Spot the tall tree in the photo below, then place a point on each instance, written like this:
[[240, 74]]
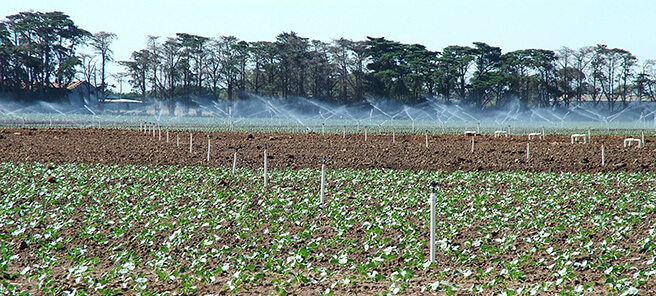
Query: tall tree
[[101, 42]]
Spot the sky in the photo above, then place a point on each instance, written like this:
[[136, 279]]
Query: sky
[[509, 24]]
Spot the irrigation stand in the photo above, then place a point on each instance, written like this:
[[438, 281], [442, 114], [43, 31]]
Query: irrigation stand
[[191, 141], [323, 128], [589, 137], [208, 148], [159, 131], [266, 146], [478, 128], [426, 138], [167, 136], [365, 133], [528, 149], [643, 138], [603, 154], [344, 132], [472, 145], [393, 136], [234, 161], [323, 179], [508, 134], [431, 201], [543, 133], [177, 140]]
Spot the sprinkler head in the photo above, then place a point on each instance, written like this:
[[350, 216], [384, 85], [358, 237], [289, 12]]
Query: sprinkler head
[[266, 146], [323, 159], [434, 186]]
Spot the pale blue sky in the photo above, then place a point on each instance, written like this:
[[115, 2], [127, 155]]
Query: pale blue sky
[[509, 24]]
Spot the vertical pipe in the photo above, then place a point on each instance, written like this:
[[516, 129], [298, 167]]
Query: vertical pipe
[[603, 154], [323, 179], [589, 138], [642, 143], [266, 181], [393, 136], [365, 133], [478, 128], [528, 150], [234, 162], [432, 226], [323, 128], [472, 150], [508, 134], [177, 140], [191, 141], [159, 131], [542, 133], [167, 136], [344, 132], [208, 148], [426, 138]]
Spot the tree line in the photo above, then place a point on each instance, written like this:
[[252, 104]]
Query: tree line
[[39, 54]]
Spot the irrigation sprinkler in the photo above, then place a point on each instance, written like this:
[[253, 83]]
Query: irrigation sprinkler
[[478, 128], [532, 135], [159, 131], [167, 136], [431, 201], [153, 128], [543, 133], [140, 126], [643, 138], [603, 155], [393, 136], [500, 133], [589, 138], [266, 146], [508, 134], [323, 128], [426, 138], [576, 137], [472, 150], [344, 132], [323, 179], [365, 133], [177, 140], [191, 142], [629, 141]]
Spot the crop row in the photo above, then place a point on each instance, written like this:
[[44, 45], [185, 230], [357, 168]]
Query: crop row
[[109, 229]]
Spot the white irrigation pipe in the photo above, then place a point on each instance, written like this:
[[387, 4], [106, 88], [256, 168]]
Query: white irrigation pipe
[[426, 138], [431, 200], [365, 133], [589, 138], [265, 166], [167, 136], [209, 144], [159, 131], [528, 150], [344, 132], [177, 140], [472, 150], [191, 141], [323, 179], [478, 128], [234, 162], [643, 139], [603, 155]]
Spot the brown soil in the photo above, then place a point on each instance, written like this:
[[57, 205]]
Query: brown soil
[[445, 152]]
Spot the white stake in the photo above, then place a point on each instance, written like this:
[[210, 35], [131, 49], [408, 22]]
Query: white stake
[[642, 144], [177, 140], [603, 156], [589, 138], [393, 136], [323, 179], [542, 133], [265, 166], [344, 132], [528, 150], [191, 141], [365, 134], [140, 126], [153, 130], [159, 130], [472, 145], [432, 226], [426, 139], [234, 162], [208, 149], [167, 136]]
